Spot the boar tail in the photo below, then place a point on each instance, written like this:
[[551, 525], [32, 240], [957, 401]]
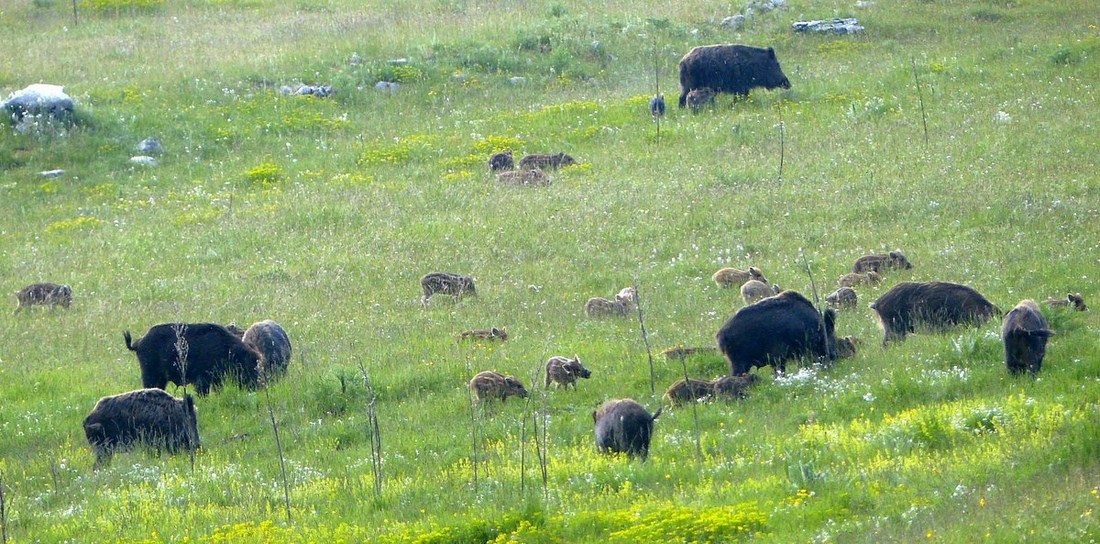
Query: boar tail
[[129, 341], [657, 414]]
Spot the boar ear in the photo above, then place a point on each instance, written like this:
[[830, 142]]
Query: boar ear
[[771, 52]]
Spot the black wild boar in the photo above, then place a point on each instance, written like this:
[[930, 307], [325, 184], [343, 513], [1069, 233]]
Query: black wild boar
[[733, 387], [934, 305], [657, 105], [1025, 334], [546, 162], [728, 68], [687, 390], [845, 297], [268, 338], [565, 371], [446, 283], [881, 263], [489, 385], [786, 326], [499, 162], [624, 426], [212, 354], [44, 294], [149, 417], [1077, 301]]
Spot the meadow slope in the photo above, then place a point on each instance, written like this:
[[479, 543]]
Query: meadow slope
[[961, 133]]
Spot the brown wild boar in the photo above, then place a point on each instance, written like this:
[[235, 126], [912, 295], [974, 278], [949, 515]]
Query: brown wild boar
[[488, 385], [698, 98], [727, 68], [601, 307], [446, 283], [1025, 333], [482, 334], [733, 387], [624, 426], [881, 263], [845, 298], [565, 371], [524, 178], [1077, 301], [754, 290], [148, 417], [853, 279], [43, 294], [935, 306], [680, 351], [546, 162], [269, 338], [731, 277], [687, 390], [847, 347]]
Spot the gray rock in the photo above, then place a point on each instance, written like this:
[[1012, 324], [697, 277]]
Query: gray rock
[[387, 86], [517, 80], [150, 146], [834, 26], [39, 99], [50, 174], [143, 160], [734, 22]]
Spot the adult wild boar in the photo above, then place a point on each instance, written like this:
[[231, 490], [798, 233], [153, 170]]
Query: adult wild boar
[[212, 354], [1025, 335], [624, 426], [934, 305], [268, 338], [728, 68], [775, 329], [146, 416]]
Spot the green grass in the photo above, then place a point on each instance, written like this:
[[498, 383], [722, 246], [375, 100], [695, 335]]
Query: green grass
[[322, 214]]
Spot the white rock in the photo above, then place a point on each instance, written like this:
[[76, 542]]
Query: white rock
[[144, 160]]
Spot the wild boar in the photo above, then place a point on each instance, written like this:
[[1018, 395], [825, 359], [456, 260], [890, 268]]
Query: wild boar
[[499, 162], [845, 297], [754, 290], [269, 338], [565, 371], [601, 307], [483, 334], [881, 263], [149, 417], [43, 294], [212, 353], [1077, 301], [624, 426], [847, 347], [546, 162], [1025, 333], [853, 279], [698, 98], [680, 351], [733, 387], [446, 283], [687, 390], [524, 178], [730, 277], [730, 68], [774, 330], [657, 105], [490, 385], [934, 305]]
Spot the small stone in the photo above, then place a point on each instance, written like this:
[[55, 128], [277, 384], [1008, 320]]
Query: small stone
[[144, 160], [150, 146]]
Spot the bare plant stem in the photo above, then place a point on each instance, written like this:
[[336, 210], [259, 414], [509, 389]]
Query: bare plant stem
[[523, 432], [817, 298], [782, 142], [920, 100], [657, 83], [278, 441], [3, 512], [645, 339], [694, 410], [375, 431]]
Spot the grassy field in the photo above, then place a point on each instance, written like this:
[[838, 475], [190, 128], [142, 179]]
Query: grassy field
[[963, 134]]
